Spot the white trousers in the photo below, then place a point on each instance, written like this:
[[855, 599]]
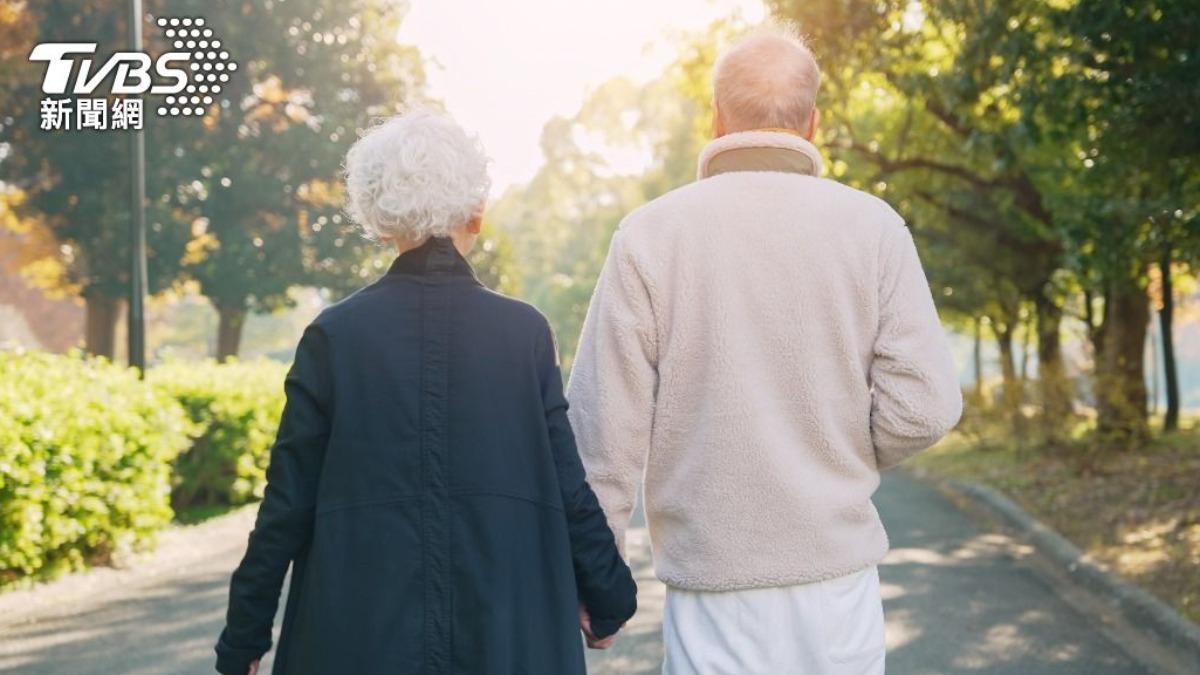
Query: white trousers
[[832, 627]]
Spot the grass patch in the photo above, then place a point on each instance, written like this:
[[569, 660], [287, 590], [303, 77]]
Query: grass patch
[[194, 515], [1137, 511]]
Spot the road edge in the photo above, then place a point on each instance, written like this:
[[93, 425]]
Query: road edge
[[1138, 606]]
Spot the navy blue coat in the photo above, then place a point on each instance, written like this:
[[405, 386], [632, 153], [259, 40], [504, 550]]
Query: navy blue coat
[[426, 489]]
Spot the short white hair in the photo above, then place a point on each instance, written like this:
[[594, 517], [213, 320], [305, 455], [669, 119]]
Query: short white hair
[[768, 80], [414, 176]]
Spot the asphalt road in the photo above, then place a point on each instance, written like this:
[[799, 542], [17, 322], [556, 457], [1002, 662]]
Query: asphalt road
[[958, 599]]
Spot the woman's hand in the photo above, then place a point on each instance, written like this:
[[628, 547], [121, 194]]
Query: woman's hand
[[585, 623], [253, 667]]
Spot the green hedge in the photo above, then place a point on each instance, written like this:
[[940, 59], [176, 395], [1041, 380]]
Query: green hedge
[[85, 462], [92, 460], [235, 409]]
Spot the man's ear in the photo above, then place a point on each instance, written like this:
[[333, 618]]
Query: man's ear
[[718, 124], [813, 123]]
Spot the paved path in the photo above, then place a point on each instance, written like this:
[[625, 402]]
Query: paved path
[[958, 600]]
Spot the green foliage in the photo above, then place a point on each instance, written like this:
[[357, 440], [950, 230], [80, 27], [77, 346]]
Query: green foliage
[[494, 260], [92, 460], [245, 201], [261, 175], [76, 185], [561, 222], [1041, 151], [234, 408], [85, 462]]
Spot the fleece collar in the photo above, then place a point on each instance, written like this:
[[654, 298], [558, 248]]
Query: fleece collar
[[759, 150]]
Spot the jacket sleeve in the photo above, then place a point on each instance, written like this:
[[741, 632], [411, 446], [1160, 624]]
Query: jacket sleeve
[[915, 398], [285, 516], [614, 381], [604, 582]]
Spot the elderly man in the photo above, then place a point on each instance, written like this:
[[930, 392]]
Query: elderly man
[[761, 344]]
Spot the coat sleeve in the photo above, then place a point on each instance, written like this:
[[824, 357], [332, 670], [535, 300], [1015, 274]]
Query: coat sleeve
[[915, 398], [603, 580], [614, 381], [285, 516]]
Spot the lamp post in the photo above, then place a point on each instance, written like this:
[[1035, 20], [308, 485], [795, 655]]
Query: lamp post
[[137, 231]]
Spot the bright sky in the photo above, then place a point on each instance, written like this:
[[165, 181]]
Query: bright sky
[[504, 68]]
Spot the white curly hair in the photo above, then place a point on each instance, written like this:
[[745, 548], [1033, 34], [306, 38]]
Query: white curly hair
[[414, 176]]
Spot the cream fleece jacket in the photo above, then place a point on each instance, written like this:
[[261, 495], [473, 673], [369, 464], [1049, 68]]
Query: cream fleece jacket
[[761, 343]]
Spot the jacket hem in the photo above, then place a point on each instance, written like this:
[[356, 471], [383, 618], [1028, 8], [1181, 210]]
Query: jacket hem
[[721, 583]]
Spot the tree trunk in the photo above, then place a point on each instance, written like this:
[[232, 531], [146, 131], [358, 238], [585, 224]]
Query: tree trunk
[[977, 358], [1120, 372], [1012, 385], [230, 321], [1027, 329], [1054, 387], [101, 324], [1095, 329], [1166, 320], [1153, 390]]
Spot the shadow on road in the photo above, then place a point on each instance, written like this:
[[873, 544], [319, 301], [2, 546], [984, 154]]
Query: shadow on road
[[163, 628], [957, 601], [159, 617], [955, 597]]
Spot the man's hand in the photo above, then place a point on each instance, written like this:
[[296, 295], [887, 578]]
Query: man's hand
[[585, 623], [253, 667]]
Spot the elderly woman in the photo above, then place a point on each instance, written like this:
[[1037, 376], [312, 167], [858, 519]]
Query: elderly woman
[[425, 486]]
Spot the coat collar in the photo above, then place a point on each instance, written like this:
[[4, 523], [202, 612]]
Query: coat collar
[[436, 257], [759, 150]]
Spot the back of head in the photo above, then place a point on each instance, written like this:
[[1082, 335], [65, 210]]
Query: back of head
[[415, 175], [768, 80]]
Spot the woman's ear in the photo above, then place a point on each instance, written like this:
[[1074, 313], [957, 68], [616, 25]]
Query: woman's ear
[[475, 224], [813, 123]]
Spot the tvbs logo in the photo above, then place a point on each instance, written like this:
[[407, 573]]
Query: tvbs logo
[[189, 78]]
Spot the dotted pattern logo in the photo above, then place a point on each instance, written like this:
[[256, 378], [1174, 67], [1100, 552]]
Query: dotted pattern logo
[[210, 65]]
